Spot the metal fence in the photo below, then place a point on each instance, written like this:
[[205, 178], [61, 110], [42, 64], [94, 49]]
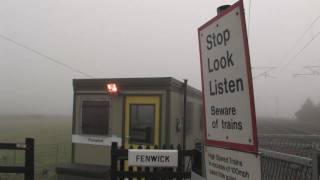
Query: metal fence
[[281, 166], [299, 145], [28, 168], [283, 157], [47, 157], [289, 157]]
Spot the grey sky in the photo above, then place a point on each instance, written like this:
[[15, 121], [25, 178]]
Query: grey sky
[[125, 38]]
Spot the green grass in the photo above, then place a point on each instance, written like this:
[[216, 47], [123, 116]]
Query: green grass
[[52, 136]]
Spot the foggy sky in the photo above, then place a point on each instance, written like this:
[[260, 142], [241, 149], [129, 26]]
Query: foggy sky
[[147, 38]]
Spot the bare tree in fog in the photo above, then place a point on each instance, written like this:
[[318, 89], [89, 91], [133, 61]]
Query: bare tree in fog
[[309, 112]]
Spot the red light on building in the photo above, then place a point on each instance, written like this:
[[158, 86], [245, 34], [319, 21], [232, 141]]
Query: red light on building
[[112, 89]]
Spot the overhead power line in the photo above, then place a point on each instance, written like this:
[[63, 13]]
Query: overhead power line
[[299, 52], [265, 71], [302, 35], [46, 56], [297, 42], [311, 72]]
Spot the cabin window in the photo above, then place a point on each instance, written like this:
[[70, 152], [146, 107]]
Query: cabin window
[[142, 123], [95, 117]]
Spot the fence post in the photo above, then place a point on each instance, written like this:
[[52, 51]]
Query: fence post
[[122, 163], [114, 148], [57, 154], [315, 164], [155, 169], [139, 168], [29, 159], [147, 169], [196, 162], [180, 168]]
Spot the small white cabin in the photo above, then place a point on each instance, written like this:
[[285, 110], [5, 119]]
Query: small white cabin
[[131, 111]]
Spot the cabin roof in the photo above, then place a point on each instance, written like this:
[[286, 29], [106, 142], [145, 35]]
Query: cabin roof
[[145, 83]]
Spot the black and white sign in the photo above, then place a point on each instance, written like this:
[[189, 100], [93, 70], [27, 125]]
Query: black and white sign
[[231, 165], [155, 158], [95, 140], [227, 81]]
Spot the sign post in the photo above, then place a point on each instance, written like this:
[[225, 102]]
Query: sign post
[[228, 96]]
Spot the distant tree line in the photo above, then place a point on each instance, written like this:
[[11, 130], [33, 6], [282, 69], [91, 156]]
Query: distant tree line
[[309, 112]]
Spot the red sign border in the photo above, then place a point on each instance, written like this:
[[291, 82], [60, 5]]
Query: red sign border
[[235, 146]]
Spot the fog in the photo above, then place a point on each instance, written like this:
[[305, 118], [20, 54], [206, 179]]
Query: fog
[[123, 38]]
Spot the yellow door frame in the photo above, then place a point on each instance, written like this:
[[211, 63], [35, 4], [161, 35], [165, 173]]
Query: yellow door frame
[[136, 99]]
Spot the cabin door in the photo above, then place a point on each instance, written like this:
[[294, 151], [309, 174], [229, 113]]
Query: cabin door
[[142, 117]]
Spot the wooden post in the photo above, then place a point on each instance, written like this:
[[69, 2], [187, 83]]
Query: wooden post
[[29, 159], [184, 114], [184, 119], [180, 168], [122, 169], [156, 169], [197, 159], [164, 169], [114, 147], [139, 169], [315, 164], [171, 169], [130, 167], [147, 169]]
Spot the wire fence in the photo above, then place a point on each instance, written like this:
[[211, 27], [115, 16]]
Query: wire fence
[[289, 157], [283, 157], [47, 157], [281, 166], [299, 145]]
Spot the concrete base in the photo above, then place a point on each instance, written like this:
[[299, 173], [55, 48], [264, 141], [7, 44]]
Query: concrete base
[[83, 172]]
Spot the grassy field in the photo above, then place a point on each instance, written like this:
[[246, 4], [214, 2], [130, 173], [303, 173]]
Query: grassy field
[[287, 126], [52, 136]]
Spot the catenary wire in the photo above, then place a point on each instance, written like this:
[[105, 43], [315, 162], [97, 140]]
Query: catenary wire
[[299, 39], [299, 52], [46, 56]]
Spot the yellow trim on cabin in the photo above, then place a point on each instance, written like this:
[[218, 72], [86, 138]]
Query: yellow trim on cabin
[[142, 100]]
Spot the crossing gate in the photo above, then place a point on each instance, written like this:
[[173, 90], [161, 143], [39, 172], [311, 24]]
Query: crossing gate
[[119, 156]]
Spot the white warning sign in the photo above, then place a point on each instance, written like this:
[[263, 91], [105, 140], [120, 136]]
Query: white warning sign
[[227, 81]]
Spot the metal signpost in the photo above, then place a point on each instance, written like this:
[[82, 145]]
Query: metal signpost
[[228, 97]]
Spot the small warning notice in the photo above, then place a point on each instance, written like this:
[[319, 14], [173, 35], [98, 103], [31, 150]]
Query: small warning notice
[[231, 165]]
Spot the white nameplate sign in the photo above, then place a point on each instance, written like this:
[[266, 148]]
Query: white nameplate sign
[[153, 158], [95, 140]]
